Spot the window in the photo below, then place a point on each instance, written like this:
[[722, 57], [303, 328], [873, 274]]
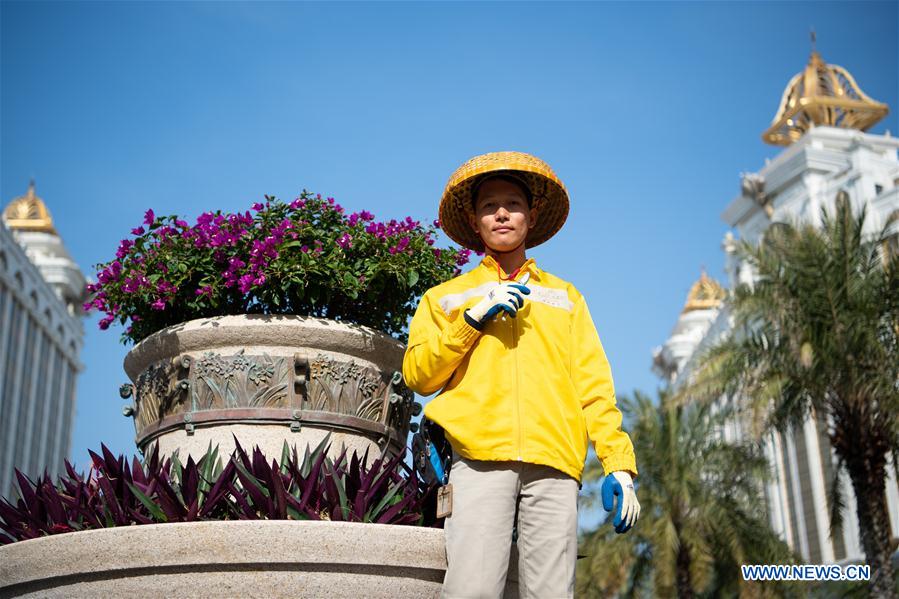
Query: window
[[891, 243]]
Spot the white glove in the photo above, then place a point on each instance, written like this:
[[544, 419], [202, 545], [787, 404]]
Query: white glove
[[621, 484], [507, 296]]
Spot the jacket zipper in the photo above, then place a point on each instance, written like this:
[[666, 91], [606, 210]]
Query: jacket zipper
[[517, 385]]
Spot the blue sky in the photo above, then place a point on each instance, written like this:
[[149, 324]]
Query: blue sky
[[647, 111]]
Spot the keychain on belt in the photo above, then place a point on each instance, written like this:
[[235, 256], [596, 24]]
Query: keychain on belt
[[445, 492]]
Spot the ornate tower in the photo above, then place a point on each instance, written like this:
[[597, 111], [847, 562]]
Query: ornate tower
[[822, 94], [41, 336], [29, 220]]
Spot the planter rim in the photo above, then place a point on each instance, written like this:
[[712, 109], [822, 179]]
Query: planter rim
[[282, 416], [269, 329], [227, 542]]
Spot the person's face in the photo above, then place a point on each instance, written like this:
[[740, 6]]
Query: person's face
[[502, 217]]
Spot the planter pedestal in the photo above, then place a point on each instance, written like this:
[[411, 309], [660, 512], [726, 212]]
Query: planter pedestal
[[268, 379]]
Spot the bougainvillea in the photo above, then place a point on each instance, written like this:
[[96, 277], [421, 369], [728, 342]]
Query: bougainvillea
[[307, 257]]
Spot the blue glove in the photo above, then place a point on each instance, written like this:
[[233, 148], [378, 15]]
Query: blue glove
[[506, 297], [621, 484]]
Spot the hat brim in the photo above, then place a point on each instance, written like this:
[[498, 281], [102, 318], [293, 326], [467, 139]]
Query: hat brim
[[550, 200]]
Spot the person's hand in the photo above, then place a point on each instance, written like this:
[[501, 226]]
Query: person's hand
[[506, 297], [621, 484]]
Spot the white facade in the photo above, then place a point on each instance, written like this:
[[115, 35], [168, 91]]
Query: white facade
[[41, 337], [792, 188]]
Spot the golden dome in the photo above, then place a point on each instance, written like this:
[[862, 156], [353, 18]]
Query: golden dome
[[28, 213], [705, 294], [822, 94]]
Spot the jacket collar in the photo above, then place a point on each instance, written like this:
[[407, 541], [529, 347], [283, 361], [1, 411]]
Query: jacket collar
[[491, 265]]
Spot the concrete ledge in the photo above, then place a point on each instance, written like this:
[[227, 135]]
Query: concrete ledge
[[246, 558]]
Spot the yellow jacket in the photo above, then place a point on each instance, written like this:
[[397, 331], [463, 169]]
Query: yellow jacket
[[529, 388]]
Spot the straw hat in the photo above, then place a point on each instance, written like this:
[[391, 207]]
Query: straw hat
[[549, 196]]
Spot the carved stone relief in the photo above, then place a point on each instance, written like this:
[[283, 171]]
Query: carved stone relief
[[186, 385], [239, 381]]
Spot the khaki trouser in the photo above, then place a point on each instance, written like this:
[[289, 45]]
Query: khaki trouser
[[479, 530]]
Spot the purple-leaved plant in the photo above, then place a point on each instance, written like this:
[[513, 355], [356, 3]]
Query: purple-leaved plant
[[248, 487]]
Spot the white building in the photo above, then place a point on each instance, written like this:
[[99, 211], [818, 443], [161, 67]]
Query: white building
[[821, 121], [41, 336]]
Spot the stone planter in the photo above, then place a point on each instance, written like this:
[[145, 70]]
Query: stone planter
[[241, 558], [267, 379]]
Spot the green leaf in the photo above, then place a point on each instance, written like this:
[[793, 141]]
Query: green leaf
[[340, 481], [413, 278], [148, 503], [296, 514], [372, 514]]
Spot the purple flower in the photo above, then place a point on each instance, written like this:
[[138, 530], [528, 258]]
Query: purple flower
[[106, 321], [462, 257], [204, 290], [245, 283], [366, 215], [257, 206], [297, 203], [404, 242], [149, 217], [124, 246], [110, 273], [436, 252], [304, 249], [137, 231], [436, 223], [131, 285], [158, 304], [181, 223], [165, 287], [345, 241]]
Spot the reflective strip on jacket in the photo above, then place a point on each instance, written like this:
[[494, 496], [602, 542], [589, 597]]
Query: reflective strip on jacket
[[529, 388]]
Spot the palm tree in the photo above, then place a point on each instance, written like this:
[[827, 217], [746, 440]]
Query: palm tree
[[702, 514], [817, 333]]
